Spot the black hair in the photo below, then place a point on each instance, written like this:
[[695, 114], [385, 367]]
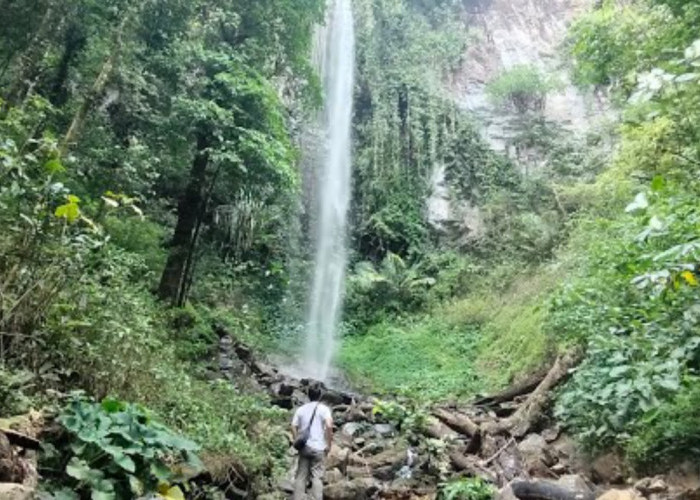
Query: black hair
[[315, 392]]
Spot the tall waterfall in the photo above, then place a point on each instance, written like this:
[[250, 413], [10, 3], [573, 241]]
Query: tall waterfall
[[335, 57]]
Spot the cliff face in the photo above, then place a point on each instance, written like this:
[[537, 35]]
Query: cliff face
[[505, 34], [508, 33]]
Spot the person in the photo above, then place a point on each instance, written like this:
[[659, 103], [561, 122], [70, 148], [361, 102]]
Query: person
[[317, 417]]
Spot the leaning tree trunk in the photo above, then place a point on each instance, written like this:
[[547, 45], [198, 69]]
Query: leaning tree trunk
[[174, 281]]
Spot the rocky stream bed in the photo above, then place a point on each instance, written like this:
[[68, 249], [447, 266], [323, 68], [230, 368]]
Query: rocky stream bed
[[506, 439]]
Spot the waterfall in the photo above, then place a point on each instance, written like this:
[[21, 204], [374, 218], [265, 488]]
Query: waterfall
[[335, 58]]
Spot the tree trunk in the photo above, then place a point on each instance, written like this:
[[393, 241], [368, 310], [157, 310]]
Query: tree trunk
[[88, 103], [189, 214]]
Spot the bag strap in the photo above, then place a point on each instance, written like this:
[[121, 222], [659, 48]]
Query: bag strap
[[313, 415]]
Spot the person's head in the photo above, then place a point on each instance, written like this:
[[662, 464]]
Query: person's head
[[314, 392]]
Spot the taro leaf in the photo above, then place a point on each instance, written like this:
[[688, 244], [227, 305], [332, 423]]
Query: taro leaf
[[161, 471], [103, 490], [171, 493], [112, 405], [80, 470], [136, 485], [121, 459]]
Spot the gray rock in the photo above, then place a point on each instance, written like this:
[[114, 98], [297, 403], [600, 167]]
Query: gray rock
[[14, 491], [351, 428], [506, 493], [384, 430], [648, 485], [576, 484], [361, 488]]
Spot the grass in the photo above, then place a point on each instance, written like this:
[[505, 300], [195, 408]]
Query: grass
[[427, 359], [477, 343]]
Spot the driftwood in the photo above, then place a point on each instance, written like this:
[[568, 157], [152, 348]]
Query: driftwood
[[22, 440], [527, 414], [470, 465], [436, 429], [458, 422], [525, 387]]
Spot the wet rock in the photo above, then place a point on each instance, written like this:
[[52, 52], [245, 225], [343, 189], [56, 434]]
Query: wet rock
[[338, 457], [333, 476], [606, 469], [649, 486], [576, 484], [551, 434], [535, 455], [628, 494], [558, 469], [351, 428], [506, 493], [14, 491], [384, 430], [355, 489]]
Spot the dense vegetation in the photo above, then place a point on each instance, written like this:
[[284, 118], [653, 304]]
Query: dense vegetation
[[146, 160], [150, 175], [598, 249]]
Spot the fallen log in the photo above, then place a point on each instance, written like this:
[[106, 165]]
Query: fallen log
[[545, 490], [22, 440], [458, 422], [470, 465], [434, 428], [524, 387], [523, 419]]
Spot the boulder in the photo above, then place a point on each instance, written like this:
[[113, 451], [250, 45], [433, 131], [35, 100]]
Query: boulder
[[337, 458], [355, 489], [535, 455], [565, 488], [13, 491], [651, 485], [351, 428], [333, 476], [576, 484], [384, 430], [607, 469], [506, 493], [628, 494]]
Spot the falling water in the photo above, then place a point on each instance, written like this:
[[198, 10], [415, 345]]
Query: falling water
[[336, 60]]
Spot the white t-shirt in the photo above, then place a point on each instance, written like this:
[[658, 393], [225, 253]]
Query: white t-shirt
[[302, 417]]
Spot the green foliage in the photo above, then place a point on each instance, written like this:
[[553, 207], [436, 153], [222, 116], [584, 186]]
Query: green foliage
[[407, 419], [402, 118], [392, 288], [423, 358], [669, 434], [15, 388], [475, 171], [116, 450], [522, 87], [467, 489], [610, 45], [638, 312]]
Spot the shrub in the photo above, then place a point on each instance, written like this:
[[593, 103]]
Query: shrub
[[523, 87], [472, 488], [669, 434], [116, 450]]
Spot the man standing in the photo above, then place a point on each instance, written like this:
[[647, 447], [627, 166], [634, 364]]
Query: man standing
[[317, 418]]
